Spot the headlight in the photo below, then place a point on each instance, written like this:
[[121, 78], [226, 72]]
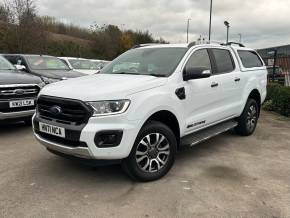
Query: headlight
[[103, 108], [41, 85]]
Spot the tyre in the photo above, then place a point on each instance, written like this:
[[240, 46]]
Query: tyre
[[153, 153], [247, 122]]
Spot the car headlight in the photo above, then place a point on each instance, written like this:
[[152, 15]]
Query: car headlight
[[104, 108], [41, 85]]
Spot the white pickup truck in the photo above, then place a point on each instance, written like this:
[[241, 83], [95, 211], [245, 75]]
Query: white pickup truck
[[151, 100]]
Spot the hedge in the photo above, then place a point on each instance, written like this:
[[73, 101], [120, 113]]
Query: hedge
[[278, 99]]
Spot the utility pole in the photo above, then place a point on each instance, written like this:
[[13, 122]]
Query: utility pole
[[210, 13], [187, 29], [227, 24]]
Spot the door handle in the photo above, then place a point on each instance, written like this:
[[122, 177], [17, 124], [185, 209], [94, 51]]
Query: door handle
[[237, 79], [214, 84]]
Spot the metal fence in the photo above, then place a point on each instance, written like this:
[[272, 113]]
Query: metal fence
[[287, 79], [282, 60]]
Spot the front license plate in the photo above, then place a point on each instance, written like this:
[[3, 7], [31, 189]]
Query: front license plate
[[21, 103], [52, 130]]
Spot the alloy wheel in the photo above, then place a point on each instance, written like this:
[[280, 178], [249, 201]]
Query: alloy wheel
[[152, 152], [251, 118]]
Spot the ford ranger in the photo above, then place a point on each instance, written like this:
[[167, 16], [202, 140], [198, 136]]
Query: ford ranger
[[151, 100]]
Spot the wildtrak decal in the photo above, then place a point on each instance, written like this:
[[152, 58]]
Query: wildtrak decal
[[196, 124]]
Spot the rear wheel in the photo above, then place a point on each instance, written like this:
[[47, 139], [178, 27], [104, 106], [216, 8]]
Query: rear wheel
[[153, 152], [247, 122]]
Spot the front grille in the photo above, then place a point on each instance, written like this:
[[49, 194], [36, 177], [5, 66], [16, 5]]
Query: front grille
[[62, 141], [73, 112], [17, 92], [13, 92]]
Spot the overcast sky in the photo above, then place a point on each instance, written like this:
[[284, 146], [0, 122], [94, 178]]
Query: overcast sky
[[262, 23]]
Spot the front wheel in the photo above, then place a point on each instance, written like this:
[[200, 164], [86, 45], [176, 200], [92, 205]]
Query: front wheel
[[153, 152], [247, 122]]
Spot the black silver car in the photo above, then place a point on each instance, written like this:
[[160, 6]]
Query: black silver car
[[50, 68], [18, 92]]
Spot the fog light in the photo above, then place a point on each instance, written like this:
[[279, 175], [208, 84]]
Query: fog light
[[106, 139]]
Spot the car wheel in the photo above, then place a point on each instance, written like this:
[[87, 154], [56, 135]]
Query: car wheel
[[153, 153], [247, 122]]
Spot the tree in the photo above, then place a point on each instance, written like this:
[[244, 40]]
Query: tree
[[25, 28], [126, 42], [107, 41]]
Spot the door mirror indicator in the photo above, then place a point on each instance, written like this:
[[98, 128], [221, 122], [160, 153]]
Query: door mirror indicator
[[195, 73]]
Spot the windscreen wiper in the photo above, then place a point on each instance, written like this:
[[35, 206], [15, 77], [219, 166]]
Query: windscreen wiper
[[128, 73], [156, 74], [143, 74]]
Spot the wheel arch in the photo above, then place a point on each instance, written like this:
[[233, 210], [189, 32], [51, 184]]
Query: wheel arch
[[255, 94], [168, 118]]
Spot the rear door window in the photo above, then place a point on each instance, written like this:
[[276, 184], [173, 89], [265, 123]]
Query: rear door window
[[250, 59], [223, 60]]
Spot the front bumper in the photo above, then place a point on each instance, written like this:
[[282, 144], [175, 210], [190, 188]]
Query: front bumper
[[81, 142], [74, 151], [18, 114]]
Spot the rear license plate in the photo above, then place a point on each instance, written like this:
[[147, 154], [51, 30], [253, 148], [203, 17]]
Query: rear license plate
[[52, 130], [21, 103]]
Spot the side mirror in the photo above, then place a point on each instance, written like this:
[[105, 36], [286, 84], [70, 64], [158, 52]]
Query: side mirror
[[20, 67], [195, 73]]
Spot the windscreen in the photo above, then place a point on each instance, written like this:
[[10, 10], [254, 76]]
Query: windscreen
[[45, 63], [81, 64], [146, 61], [5, 64]]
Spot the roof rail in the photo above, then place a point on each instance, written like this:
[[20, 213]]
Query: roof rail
[[144, 45], [233, 43], [191, 44], [213, 41]]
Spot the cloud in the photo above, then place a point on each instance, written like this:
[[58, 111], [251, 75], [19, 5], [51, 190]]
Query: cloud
[[262, 23]]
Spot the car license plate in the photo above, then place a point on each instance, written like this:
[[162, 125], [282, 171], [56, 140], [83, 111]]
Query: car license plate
[[21, 103], [52, 130]]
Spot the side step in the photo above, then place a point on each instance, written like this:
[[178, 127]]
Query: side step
[[202, 135]]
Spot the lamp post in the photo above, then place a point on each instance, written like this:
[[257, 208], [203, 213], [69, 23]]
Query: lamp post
[[187, 29], [210, 13], [227, 24]]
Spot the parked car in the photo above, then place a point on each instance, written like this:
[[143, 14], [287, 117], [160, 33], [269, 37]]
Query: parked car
[[170, 96], [279, 75], [81, 65], [50, 68], [99, 64], [18, 92]]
